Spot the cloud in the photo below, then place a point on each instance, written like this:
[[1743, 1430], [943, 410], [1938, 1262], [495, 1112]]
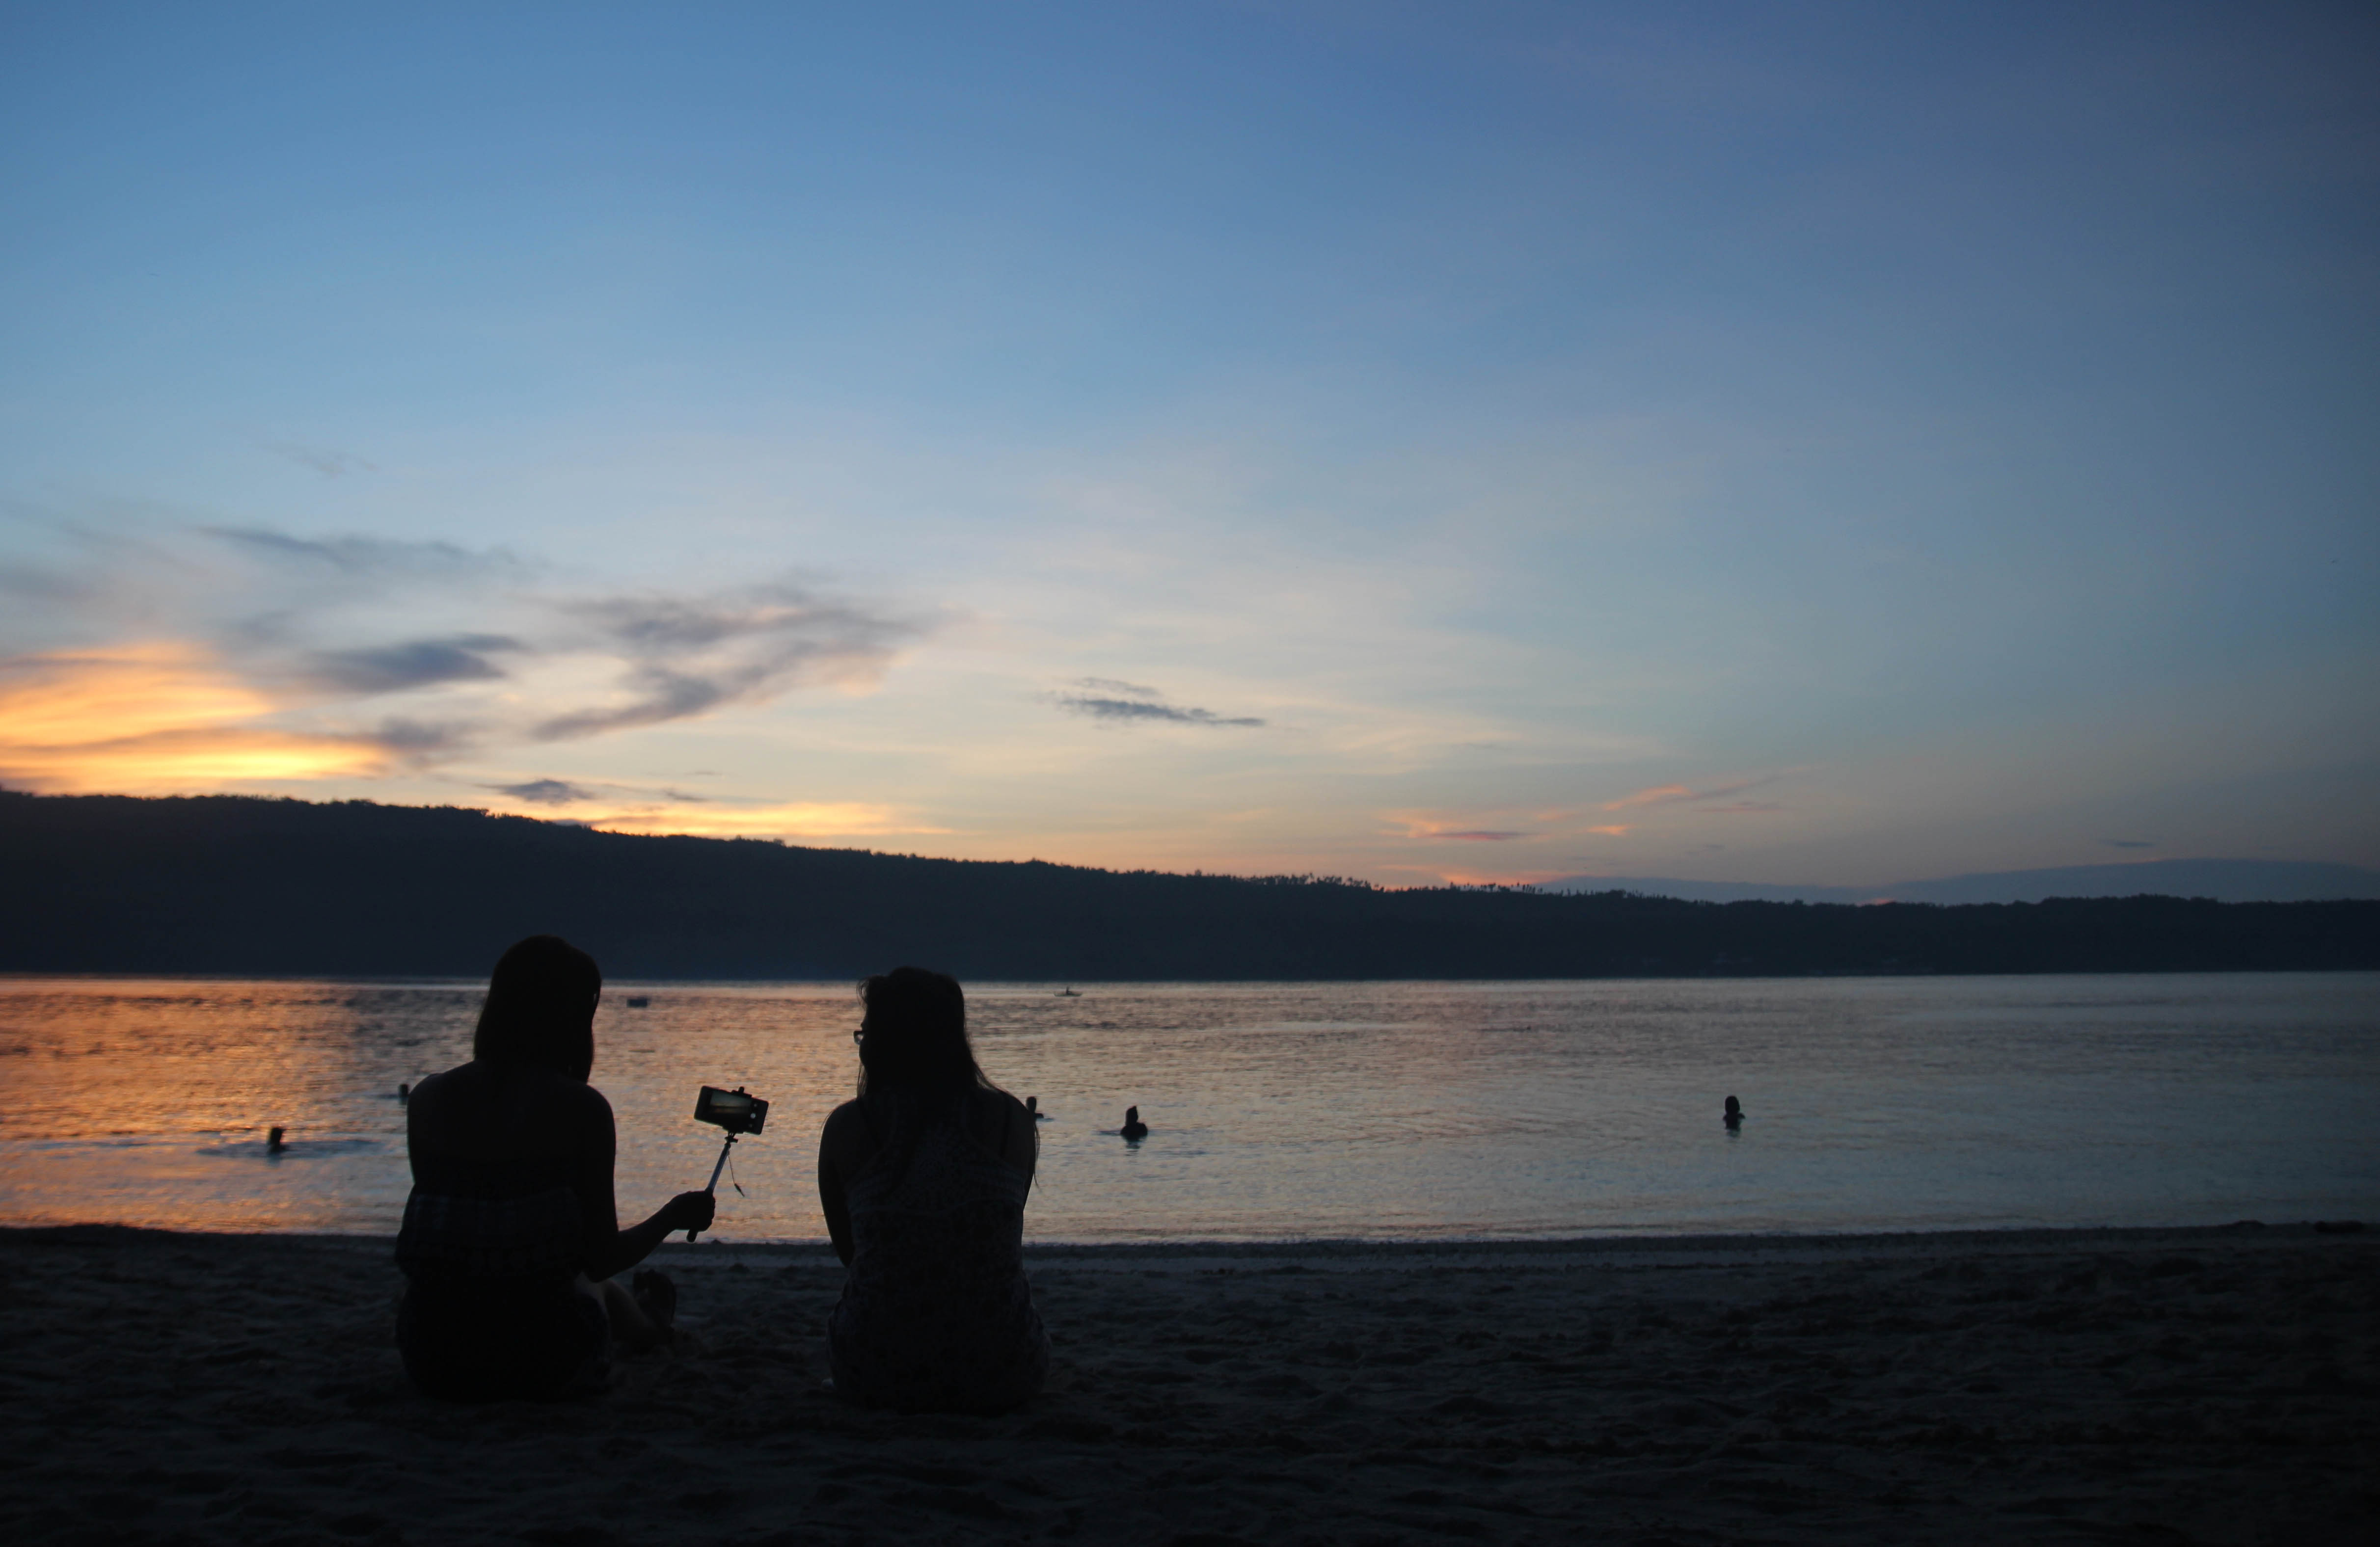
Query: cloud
[[1144, 706], [545, 791], [1616, 830], [460, 657], [2130, 843], [288, 640], [689, 656], [418, 741], [365, 557], [1666, 794], [798, 819], [1423, 824], [1741, 808], [330, 463]]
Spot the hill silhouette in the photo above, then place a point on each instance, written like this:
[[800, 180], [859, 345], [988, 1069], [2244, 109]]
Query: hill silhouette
[[226, 883]]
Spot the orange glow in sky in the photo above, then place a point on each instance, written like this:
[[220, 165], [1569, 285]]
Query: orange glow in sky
[[159, 716], [800, 820]]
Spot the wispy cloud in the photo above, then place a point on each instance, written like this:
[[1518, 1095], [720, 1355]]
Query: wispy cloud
[[1424, 823], [330, 463], [2130, 843], [1615, 829], [689, 656], [1742, 808], [1103, 698], [1668, 794], [365, 556]]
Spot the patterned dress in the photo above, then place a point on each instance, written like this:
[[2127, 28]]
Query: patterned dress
[[937, 1315]]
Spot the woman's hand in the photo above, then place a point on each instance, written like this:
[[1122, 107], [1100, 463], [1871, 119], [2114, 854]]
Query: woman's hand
[[688, 1211]]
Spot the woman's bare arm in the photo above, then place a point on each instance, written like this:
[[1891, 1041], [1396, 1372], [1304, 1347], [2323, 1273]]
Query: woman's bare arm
[[609, 1249], [834, 1165]]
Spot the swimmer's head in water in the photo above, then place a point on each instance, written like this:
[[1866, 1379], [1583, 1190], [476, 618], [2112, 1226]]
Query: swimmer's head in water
[[1734, 1107], [914, 1033], [541, 1008]]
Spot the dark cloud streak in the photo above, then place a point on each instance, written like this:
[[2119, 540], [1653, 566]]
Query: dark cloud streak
[[543, 792], [1126, 711], [417, 663]]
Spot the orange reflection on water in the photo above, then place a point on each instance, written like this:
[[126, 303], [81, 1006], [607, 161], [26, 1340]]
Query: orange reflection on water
[[149, 1102]]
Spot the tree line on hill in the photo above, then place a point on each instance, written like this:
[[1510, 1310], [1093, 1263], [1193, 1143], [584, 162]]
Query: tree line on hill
[[240, 885]]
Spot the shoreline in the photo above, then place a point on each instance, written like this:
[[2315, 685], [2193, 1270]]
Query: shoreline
[[1711, 1244], [2213, 1384]]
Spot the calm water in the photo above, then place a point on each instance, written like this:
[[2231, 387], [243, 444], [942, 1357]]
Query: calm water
[[1286, 1109]]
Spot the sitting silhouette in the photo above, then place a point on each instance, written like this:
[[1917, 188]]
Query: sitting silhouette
[[923, 1179], [1734, 1118], [1133, 1126], [512, 1233]]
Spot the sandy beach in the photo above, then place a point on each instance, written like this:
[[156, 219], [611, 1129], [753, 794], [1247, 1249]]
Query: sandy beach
[[2138, 1386]]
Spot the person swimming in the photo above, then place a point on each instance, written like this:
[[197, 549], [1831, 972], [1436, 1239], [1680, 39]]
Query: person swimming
[[1734, 1118], [1133, 1126]]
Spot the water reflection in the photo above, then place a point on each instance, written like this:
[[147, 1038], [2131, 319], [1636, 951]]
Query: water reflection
[[1372, 1109]]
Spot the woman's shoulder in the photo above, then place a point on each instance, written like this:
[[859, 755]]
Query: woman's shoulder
[[846, 1132]]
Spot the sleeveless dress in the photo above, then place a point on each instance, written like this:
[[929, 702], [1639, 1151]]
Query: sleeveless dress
[[490, 1254], [936, 1315]]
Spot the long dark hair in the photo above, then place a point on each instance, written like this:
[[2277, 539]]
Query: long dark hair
[[916, 1067], [914, 1034], [541, 1008]]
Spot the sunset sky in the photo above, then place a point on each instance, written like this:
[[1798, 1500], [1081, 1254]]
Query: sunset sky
[[1799, 443]]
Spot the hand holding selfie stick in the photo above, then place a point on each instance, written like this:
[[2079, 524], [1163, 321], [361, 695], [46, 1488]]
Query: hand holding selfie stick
[[736, 1112]]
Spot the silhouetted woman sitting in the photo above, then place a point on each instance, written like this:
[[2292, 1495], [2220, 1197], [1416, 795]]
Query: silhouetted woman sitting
[[511, 1235], [923, 1179]]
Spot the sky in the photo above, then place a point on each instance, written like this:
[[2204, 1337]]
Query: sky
[[1799, 443]]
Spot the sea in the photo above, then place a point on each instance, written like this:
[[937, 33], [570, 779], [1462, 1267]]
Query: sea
[[1375, 1111]]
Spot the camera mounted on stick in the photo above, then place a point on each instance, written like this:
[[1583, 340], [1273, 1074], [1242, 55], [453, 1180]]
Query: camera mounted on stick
[[736, 1111]]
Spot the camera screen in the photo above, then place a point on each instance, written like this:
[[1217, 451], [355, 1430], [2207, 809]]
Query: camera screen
[[733, 1110]]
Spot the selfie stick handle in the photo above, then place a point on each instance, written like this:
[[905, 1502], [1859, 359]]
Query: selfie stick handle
[[713, 1185]]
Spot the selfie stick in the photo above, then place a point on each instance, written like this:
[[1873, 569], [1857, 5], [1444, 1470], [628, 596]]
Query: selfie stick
[[713, 1187]]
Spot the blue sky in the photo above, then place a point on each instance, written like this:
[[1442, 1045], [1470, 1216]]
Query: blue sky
[[1787, 443]]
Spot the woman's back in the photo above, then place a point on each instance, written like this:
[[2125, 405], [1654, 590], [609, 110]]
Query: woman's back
[[936, 1313]]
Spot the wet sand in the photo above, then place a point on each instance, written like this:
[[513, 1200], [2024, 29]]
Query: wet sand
[[2143, 1387]]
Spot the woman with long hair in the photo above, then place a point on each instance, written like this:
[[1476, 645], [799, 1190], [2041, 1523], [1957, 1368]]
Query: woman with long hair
[[512, 1235], [922, 1177]]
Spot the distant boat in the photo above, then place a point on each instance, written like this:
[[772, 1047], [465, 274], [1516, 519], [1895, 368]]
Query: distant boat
[[1066, 993], [639, 1001]]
